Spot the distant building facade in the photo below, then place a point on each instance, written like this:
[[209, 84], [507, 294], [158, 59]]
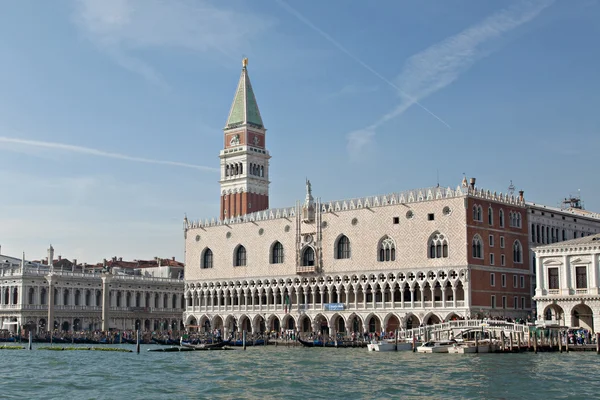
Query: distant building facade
[[66, 296], [568, 283], [368, 264], [549, 225]]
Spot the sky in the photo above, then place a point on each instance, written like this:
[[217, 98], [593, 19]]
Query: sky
[[111, 111]]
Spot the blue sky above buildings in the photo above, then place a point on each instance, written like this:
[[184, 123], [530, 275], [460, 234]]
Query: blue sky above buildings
[[111, 112]]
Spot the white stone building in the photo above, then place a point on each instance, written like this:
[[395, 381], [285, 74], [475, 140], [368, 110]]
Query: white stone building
[[380, 262], [549, 225], [83, 298], [568, 283]]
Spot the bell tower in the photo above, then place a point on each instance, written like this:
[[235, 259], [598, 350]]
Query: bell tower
[[244, 158]]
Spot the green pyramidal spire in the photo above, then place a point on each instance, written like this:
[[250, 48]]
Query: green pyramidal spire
[[244, 109]]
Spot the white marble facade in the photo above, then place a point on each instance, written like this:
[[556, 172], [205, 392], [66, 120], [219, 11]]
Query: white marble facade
[[568, 283], [364, 289], [31, 295]]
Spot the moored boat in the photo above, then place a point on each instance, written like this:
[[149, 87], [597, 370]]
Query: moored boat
[[204, 346], [389, 345], [436, 346]]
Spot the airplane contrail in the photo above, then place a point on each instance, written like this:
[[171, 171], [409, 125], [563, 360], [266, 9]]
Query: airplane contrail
[[303, 19], [100, 153]]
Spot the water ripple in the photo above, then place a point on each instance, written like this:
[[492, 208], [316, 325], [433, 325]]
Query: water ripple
[[270, 372]]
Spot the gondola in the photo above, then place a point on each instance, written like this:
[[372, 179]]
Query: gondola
[[165, 342], [240, 343], [204, 346], [171, 349], [339, 344]]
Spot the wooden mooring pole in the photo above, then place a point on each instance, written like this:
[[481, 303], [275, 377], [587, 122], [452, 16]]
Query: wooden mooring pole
[[244, 340], [137, 342], [597, 343], [535, 342], [396, 340], [560, 344]]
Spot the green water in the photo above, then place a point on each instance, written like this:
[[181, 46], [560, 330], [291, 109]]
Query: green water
[[279, 372]]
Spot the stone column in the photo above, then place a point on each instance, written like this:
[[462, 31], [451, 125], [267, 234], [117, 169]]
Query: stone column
[[422, 297], [412, 297], [594, 275], [374, 300], [402, 297], [540, 279], [454, 295], [593, 281], [50, 322], [23, 294], [565, 280], [443, 296], [106, 279], [467, 291]]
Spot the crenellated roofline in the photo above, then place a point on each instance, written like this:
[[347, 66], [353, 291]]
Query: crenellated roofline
[[405, 197]]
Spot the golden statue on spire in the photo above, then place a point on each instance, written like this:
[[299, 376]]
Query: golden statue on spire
[[245, 62]]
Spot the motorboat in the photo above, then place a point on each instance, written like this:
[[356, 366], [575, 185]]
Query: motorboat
[[470, 347], [389, 345], [436, 346]]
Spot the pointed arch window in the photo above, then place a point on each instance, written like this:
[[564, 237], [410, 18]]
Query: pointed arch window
[[477, 213], [277, 253], [438, 246], [490, 216], [387, 249], [477, 247], [501, 218], [240, 256], [207, 259], [343, 247], [308, 257], [517, 252]]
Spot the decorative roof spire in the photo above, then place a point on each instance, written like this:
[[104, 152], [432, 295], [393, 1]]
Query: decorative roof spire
[[464, 182], [244, 109], [309, 198]]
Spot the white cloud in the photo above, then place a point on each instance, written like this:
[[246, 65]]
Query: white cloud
[[122, 27], [441, 64], [99, 153]]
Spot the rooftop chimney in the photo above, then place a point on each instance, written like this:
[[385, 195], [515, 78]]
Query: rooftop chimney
[[521, 198], [74, 261], [120, 258], [173, 258], [472, 183], [51, 256], [59, 258]]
